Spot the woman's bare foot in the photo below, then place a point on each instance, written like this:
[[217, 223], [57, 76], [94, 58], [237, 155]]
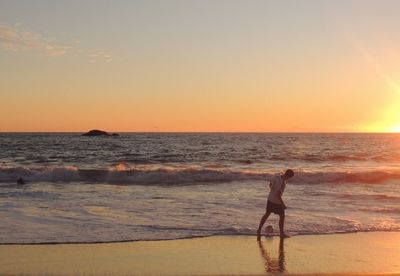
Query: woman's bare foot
[[258, 235]]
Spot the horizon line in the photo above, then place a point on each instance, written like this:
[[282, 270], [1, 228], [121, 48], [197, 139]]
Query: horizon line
[[271, 132]]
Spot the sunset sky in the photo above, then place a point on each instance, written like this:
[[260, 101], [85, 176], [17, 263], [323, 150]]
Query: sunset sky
[[200, 65]]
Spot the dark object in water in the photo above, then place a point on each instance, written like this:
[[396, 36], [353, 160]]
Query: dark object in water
[[20, 181], [269, 229], [96, 132]]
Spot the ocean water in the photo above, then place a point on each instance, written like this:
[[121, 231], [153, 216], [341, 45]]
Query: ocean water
[[150, 186]]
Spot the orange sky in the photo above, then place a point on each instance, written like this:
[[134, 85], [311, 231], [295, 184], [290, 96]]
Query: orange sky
[[200, 66]]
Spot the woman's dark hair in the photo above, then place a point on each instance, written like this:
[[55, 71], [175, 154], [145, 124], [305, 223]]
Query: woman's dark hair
[[289, 173]]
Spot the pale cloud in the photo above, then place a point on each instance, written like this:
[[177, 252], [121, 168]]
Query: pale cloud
[[13, 38], [100, 56]]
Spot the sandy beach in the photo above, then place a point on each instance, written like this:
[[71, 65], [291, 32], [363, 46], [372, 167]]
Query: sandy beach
[[355, 253]]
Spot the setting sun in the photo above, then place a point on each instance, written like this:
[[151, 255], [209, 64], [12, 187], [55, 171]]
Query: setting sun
[[395, 129]]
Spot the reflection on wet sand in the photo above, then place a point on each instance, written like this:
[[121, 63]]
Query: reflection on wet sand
[[272, 264]]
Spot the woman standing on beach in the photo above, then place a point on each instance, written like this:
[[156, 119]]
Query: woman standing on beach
[[275, 203]]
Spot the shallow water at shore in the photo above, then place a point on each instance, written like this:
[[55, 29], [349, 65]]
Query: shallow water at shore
[[49, 212]]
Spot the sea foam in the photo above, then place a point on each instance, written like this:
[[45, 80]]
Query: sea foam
[[184, 175]]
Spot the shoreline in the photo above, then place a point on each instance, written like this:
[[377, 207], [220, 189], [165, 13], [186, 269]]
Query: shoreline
[[274, 235], [346, 253]]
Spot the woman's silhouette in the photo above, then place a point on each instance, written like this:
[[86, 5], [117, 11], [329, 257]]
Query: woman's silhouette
[[270, 264]]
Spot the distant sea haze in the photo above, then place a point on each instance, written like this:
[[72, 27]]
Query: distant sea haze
[[149, 186]]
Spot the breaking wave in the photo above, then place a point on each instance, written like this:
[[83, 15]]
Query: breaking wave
[[182, 175]]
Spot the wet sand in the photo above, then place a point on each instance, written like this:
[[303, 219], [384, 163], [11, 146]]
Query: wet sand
[[355, 253]]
